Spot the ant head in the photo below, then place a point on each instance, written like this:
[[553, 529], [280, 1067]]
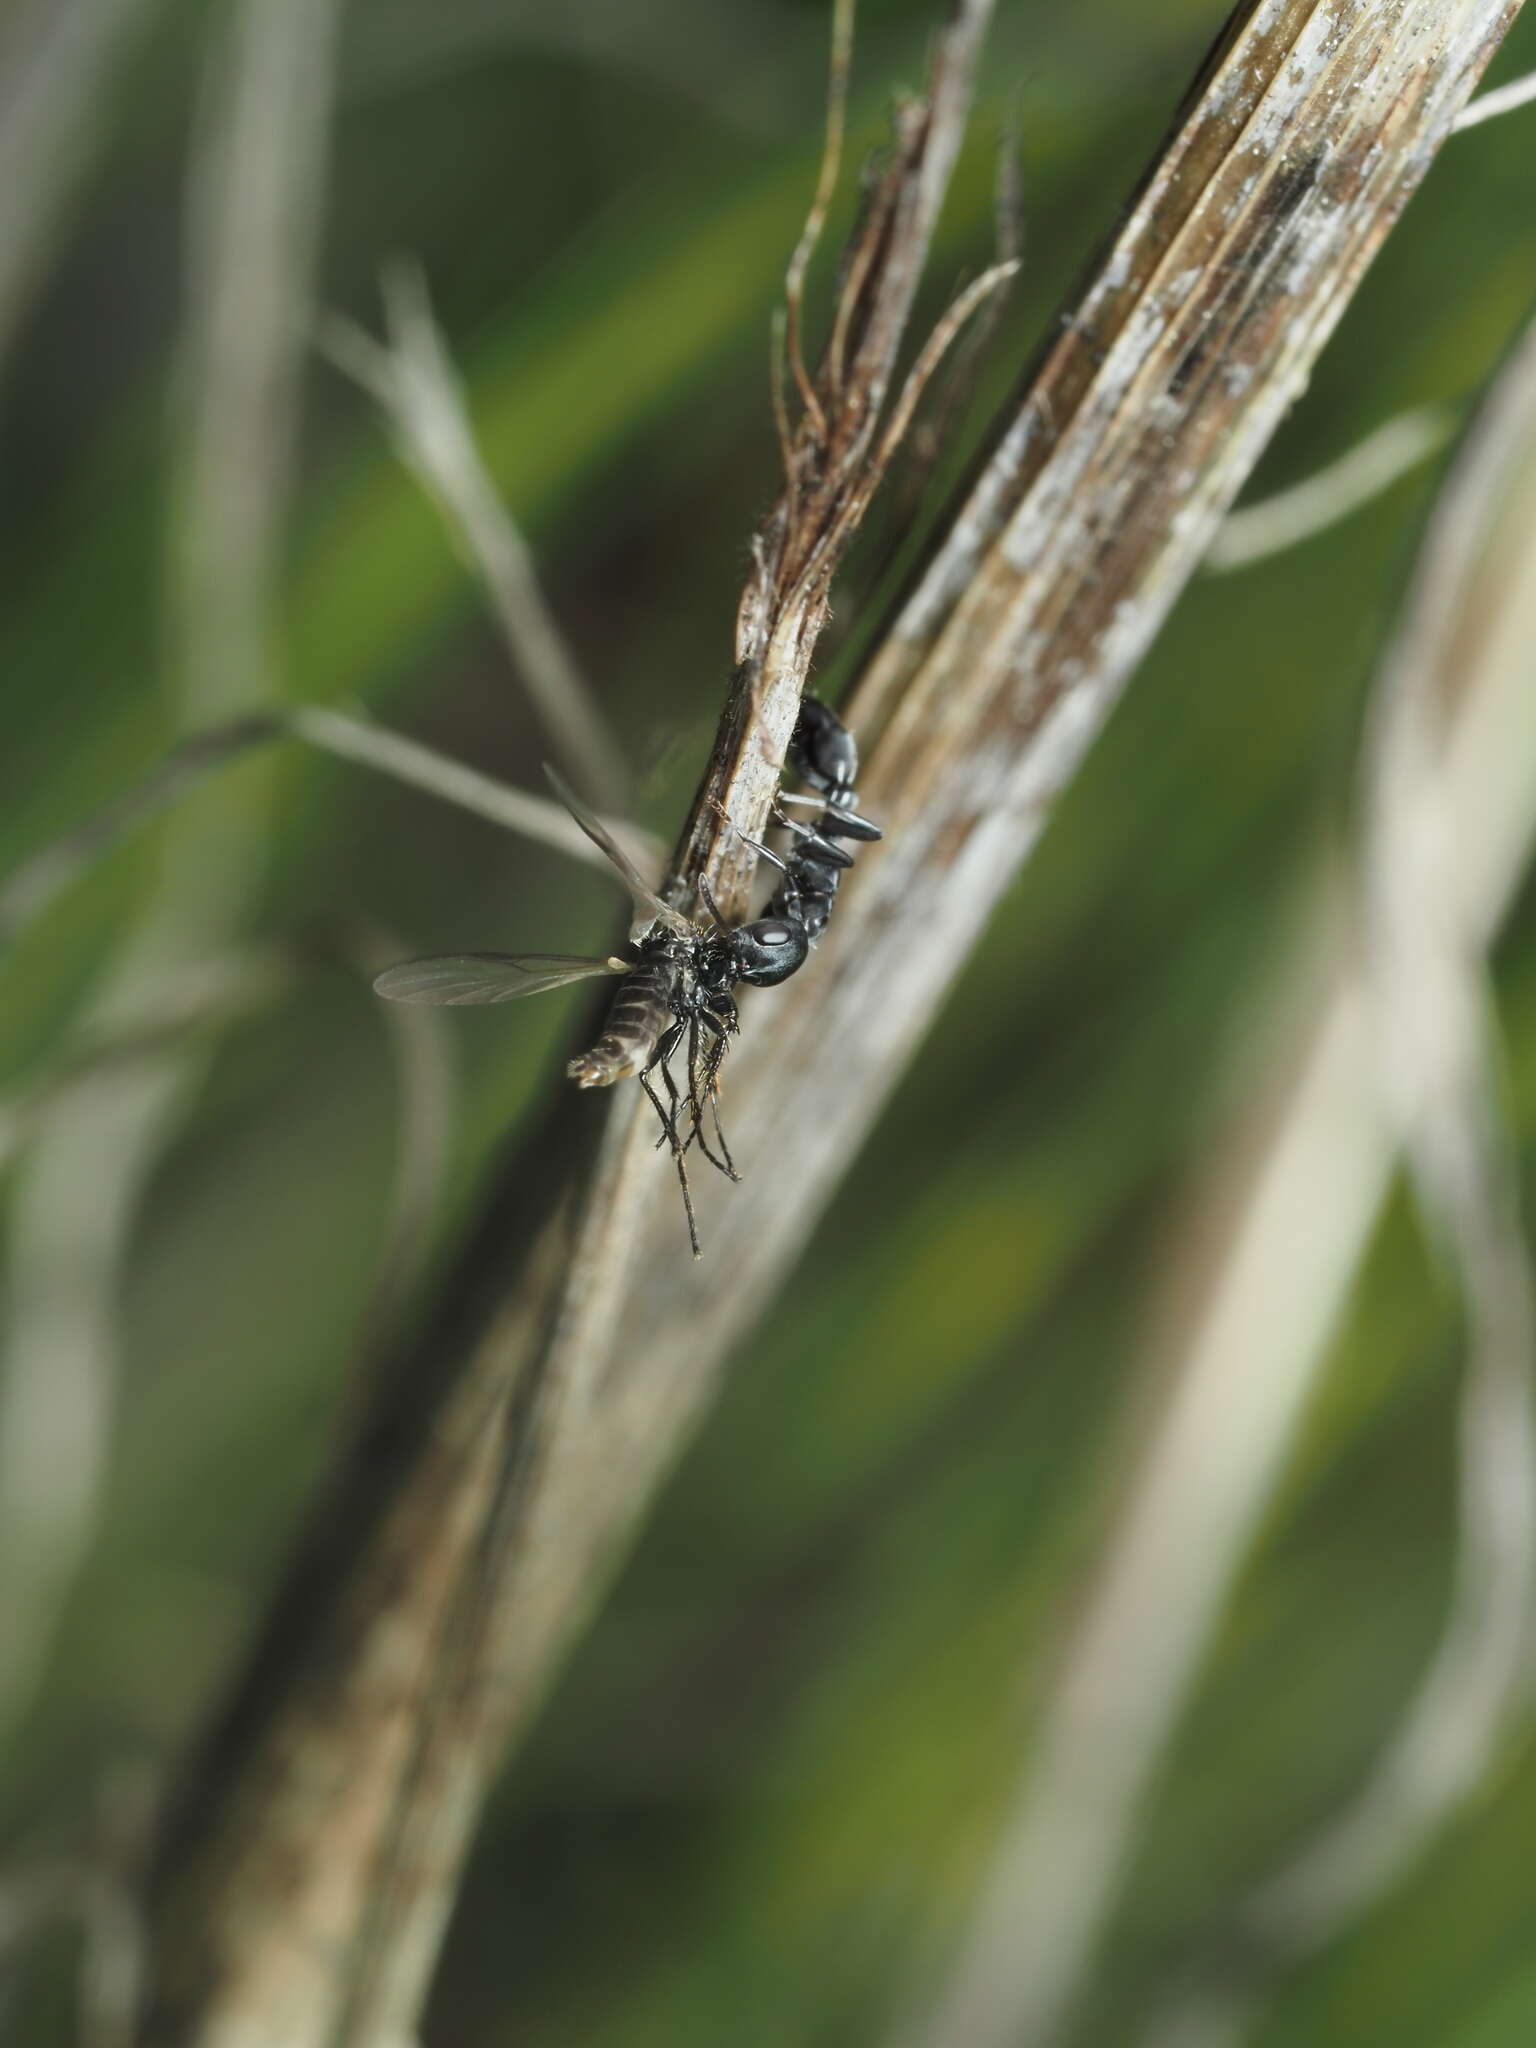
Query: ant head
[[768, 951]]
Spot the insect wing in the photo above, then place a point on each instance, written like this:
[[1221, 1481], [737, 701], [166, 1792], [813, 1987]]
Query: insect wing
[[455, 978], [647, 902]]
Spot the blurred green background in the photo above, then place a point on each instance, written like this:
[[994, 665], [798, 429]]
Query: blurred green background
[[773, 1767]]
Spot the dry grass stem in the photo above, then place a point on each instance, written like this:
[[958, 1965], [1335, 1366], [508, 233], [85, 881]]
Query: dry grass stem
[[931, 431], [413, 380], [816, 219], [834, 457], [406, 1791], [304, 1884]]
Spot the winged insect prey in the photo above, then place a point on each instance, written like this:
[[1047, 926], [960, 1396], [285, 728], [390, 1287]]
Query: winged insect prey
[[676, 989]]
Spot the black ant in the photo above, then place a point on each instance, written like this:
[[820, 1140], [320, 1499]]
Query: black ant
[[824, 753]]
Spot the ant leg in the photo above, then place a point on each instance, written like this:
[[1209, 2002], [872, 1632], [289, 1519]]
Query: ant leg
[[839, 821], [785, 823], [764, 852], [814, 841]]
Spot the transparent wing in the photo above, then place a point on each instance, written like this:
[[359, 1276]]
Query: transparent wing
[[488, 977], [650, 906]]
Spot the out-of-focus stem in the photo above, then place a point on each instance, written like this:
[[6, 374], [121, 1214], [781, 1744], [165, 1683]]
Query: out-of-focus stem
[[255, 189], [413, 380], [33, 887], [56, 60], [1299, 1189], [1320, 501]]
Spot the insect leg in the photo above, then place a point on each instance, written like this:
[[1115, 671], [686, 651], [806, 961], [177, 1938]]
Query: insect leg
[[701, 1090], [666, 1045], [682, 1181], [695, 1101], [664, 1050], [668, 1112], [716, 1058], [708, 1091]]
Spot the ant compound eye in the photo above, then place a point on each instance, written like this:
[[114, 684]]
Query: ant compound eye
[[769, 934]]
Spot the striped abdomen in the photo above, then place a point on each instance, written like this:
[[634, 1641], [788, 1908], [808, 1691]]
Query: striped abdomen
[[641, 1011]]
